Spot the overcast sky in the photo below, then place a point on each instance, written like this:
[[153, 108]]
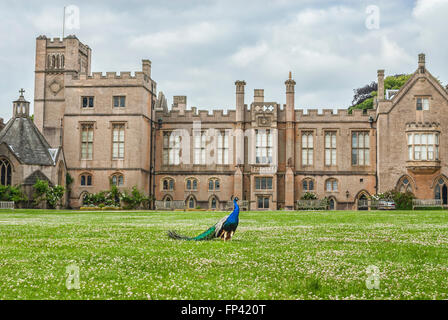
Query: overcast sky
[[199, 48]]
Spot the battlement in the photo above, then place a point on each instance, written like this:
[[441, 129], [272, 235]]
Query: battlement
[[198, 115], [317, 115], [60, 43], [133, 78]]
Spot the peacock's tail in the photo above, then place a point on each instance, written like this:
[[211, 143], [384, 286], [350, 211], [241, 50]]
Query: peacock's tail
[[206, 235]]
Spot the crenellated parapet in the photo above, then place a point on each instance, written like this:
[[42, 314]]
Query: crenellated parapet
[[126, 78], [192, 115], [338, 115]]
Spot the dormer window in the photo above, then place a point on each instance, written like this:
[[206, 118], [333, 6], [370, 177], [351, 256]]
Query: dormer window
[[423, 103]]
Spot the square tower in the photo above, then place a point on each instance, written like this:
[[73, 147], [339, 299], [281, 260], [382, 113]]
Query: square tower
[[55, 60]]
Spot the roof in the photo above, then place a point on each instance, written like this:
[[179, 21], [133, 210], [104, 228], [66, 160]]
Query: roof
[[27, 143], [32, 178]]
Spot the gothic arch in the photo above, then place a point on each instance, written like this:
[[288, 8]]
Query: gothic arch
[[213, 202], [6, 170], [191, 202], [405, 183], [436, 180], [361, 200], [332, 203]]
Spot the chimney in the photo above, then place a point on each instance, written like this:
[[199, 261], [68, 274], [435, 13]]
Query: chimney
[[240, 100], [421, 62], [290, 84], [179, 104], [258, 95], [146, 67], [380, 85]]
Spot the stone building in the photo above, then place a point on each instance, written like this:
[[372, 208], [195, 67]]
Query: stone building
[[114, 129], [278, 153], [102, 121], [25, 154]]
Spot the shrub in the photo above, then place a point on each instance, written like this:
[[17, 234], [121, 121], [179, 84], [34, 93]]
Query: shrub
[[403, 201], [11, 193], [43, 192], [135, 199], [308, 196], [54, 195], [40, 191]]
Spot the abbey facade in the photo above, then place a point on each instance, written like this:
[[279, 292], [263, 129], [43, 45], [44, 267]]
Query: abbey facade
[[114, 128]]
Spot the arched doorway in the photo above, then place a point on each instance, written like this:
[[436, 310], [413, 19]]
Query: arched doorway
[[363, 200], [191, 202], [441, 191], [332, 204]]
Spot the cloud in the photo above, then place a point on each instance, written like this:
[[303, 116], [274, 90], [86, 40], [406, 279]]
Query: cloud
[[199, 48]]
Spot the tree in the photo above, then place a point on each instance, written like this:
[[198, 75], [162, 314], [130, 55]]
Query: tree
[[363, 97]]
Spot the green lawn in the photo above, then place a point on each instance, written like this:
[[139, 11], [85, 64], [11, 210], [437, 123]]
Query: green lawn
[[273, 255]]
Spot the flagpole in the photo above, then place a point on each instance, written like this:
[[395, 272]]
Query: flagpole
[[63, 25]]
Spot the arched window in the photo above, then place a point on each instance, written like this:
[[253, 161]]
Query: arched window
[[308, 185], [213, 184], [331, 185], [332, 204], [441, 190], [191, 202], [404, 184], [84, 197], [6, 172], [86, 179], [53, 62], [213, 203], [192, 184], [168, 202], [168, 184], [117, 179], [62, 61]]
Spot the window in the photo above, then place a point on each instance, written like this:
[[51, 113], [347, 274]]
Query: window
[[331, 185], [168, 184], [86, 141], [191, 203], [213, 203], [263, 146], [87, 102], [213, 184], [117, 179], [360, 149], [171, 149], [330, 148], [422, 103], [308, 185], [263, 202], [191, 184], [119, 101], [223, 148], [307, 149], [404, 185], [263, 183], [6, 172], [199, 147], [86, 179], [118, 141], [168, 200], [423, 146]]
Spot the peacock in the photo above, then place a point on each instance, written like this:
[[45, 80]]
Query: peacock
[[224, 228]]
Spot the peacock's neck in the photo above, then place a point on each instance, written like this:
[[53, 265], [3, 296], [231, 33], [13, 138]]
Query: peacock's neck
[[236, 212]]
